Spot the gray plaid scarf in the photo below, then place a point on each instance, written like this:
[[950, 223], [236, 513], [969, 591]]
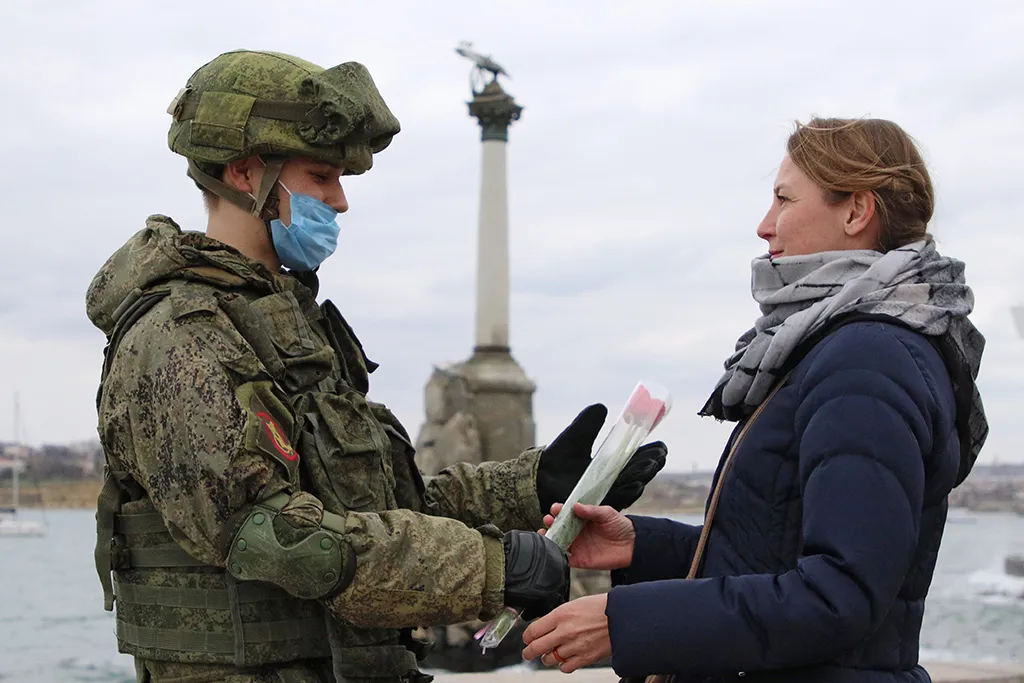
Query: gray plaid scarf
[[801, 295]]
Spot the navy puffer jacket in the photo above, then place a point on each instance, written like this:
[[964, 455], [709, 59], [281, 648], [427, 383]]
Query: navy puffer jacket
[[826, 534]]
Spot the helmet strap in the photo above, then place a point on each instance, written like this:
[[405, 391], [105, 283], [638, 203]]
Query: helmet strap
[[253, 205], [271, 173]]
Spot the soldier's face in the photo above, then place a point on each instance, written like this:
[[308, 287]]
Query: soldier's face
[[314, 178]]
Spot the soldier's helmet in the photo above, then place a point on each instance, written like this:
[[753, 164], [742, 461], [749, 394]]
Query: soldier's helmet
[[246, 103]]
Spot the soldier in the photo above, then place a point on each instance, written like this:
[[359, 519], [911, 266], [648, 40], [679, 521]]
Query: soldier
[[261, 519]]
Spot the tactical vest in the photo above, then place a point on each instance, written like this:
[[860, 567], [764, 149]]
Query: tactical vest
[[355, 455]]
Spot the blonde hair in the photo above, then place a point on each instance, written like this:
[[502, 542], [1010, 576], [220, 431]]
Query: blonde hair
[[843, 156]]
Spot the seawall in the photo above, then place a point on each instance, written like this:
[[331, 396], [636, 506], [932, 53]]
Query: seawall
[[941, 672]]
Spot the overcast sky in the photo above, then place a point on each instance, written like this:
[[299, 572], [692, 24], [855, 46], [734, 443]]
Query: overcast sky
[[637, 176]]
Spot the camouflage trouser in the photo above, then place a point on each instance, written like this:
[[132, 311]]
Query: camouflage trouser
[[149, 671]]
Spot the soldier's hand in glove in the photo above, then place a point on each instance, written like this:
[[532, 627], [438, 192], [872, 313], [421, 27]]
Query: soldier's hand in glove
[[536, 574], [563, 462]]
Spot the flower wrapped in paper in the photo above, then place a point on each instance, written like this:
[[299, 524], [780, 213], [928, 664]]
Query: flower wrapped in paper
[[646, 407]]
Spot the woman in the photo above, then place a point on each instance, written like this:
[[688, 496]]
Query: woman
[[828, 522]]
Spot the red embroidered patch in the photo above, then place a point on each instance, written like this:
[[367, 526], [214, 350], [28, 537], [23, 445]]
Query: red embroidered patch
[[277, 437]]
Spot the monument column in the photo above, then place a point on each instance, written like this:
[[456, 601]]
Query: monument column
[[495, 110], [502, 393]]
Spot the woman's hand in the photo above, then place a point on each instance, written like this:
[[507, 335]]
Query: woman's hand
[[572, 636], [606, 542]]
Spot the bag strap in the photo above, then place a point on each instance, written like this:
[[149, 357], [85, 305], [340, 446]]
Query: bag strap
[[108, 504], [709, 516]]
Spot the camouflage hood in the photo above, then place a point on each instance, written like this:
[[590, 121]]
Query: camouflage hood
[[159, 252]]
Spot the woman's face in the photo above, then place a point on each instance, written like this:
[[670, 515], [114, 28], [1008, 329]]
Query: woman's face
[[800, 221]]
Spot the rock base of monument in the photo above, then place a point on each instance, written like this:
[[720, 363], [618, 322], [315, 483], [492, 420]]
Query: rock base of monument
[[478, 410]]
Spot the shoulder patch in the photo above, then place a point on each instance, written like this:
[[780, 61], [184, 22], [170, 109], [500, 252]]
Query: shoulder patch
[[277, 440], [268, 426]]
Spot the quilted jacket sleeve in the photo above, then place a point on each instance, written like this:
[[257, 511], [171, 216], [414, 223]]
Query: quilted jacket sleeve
[[663, 549]]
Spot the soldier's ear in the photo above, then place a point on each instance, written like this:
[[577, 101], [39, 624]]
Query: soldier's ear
[[244, 174]]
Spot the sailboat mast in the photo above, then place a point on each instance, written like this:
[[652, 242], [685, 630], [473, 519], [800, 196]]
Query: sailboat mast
[[15, 463], [11, 525]]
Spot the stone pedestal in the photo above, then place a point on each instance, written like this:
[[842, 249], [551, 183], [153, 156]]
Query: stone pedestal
[[478, 410], [450, 433], [502, 403]]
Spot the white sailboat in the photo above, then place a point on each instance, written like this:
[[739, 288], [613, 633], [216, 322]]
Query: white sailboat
[[10, 523]]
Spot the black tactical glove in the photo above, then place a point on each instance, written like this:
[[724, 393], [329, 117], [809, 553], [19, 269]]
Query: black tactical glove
[[536, 574], [564, 461]]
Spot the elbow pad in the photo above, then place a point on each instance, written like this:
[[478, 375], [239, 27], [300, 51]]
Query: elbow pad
[[319, 563]]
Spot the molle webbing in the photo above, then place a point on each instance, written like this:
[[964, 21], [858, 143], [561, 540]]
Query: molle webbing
[[241, 623], [225, 644], [166, 555], [192, 597]]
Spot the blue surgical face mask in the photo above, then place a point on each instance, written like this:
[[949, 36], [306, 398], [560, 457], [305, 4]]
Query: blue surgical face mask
[[312, 236]]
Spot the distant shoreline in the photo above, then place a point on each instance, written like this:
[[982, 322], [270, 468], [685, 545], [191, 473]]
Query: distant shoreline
[[81, 494], [74, 494]]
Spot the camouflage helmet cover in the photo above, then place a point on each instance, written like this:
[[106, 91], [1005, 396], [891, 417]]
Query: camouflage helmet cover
[[245, 103]]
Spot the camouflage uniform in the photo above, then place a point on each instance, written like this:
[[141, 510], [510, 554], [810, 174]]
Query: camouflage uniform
[[263, 520]]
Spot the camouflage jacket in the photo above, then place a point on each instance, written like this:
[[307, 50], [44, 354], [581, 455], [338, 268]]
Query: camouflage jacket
[[193, 415]]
